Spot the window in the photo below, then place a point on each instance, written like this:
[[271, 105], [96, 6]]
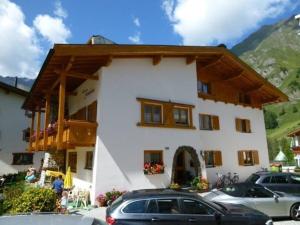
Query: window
[[259, 192], [152, 207], [155, 156], [242, 125], [26, 134], [152, 113], [155, 113], [279, 179], [213, 158], [209, 122], [204, 87], [195, 207], [180, 116], [248, 158], [153, 162], [89, 160], [22, 159], [136, 207], [92, 112], [266, 180], [168, 206], [72, 161], [244, 98]]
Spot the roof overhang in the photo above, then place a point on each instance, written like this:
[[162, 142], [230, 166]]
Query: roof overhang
[[87, 59]]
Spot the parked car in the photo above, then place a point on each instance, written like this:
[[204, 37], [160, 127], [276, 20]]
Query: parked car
[[166, 207], [274, 204], [284, 182]]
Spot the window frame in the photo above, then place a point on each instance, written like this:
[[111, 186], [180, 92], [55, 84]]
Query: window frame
[[199, 202], [214, 122], [73, 170], [143, 105], [23, 162], [160, 152], [87, 166], [243, 125], [181, 108], [201, 84], [216, 158], [166, 114], [254, 154]]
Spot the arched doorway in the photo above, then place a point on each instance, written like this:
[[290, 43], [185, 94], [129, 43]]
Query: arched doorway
[[186, 165]]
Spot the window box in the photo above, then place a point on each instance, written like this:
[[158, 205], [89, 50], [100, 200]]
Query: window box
[[153, 162]]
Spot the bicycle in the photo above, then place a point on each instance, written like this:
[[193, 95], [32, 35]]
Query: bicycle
[[225, 180]]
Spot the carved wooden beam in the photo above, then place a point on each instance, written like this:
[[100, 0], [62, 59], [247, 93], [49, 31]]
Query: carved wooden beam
[[156, 59], [258, 88], [190, 59], [108, 61], [234, 77]]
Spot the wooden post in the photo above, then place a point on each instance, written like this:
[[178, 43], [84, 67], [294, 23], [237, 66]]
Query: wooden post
[[38, 129], [61, 111], [31, 131], [46, 122]]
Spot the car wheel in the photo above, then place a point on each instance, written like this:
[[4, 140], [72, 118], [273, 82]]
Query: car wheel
[[295, 212]]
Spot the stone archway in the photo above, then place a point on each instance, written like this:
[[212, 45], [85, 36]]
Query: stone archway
[[178, 170]]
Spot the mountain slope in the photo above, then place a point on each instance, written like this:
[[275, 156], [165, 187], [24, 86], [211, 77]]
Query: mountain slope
[[274, 52], [22, 82]]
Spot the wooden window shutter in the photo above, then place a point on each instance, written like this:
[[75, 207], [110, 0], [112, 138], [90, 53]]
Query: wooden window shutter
[[215, 123], [255, 157], [238, 124], [168, 114], [248, 128], [218, 158], [241, 158]]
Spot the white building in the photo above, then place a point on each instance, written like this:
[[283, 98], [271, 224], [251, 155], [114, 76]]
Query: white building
[[196, 110], [13, 157]]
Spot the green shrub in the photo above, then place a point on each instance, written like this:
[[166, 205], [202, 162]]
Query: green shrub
[[34, 200], [11, 193]]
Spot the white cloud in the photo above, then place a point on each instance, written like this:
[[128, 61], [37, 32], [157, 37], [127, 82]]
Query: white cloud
[[203, 22], [136, 21], [52, 28], [136, 38], [59, 10], [19, 47]]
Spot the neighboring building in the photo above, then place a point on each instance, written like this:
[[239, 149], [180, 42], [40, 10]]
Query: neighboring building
[[13, 132], [194, 110], [295, 144]]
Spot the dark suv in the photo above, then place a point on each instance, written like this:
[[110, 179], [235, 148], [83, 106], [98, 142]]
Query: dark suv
[[285, 182], [164, 207]]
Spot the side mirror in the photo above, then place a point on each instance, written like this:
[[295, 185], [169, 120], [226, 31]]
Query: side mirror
[[275, 197]]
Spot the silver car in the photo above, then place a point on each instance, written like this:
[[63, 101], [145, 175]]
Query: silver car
[[274, 204]]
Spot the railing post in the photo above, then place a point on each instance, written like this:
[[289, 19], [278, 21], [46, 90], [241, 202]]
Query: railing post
[[38, 129], [61, 111], [31, 130], [46, 122]]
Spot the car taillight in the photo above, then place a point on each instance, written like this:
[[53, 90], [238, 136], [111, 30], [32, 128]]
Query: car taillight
[[110, 220]]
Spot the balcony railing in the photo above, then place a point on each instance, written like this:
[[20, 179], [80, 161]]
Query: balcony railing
[[75, 133]]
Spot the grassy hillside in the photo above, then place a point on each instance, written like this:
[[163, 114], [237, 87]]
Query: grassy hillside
[[274, 52]]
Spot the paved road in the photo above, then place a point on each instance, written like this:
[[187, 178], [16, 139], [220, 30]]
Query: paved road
[[286, 222]]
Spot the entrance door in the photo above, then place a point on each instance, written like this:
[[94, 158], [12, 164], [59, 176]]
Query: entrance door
[[180, 169]]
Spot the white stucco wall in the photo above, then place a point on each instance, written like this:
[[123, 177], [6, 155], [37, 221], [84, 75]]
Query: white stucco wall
[[12, 122], [121, 143], [83, 177]]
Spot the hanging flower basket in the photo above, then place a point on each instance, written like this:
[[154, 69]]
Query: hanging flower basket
[[153, 168]]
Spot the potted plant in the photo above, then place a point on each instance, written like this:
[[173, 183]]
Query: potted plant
[[200, 184], [153, 168], [174, 186]]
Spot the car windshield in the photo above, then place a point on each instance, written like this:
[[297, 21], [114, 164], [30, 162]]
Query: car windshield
[[253, 178], [234, 191]]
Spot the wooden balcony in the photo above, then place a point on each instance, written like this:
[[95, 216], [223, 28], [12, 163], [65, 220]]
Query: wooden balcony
[[75, 133], [296, 149]]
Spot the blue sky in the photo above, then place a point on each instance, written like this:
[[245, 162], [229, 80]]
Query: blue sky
[[34, 25]]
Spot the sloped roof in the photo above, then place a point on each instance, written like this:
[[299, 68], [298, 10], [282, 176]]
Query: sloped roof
[[13, 89], [88, 58], [280, 157]]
